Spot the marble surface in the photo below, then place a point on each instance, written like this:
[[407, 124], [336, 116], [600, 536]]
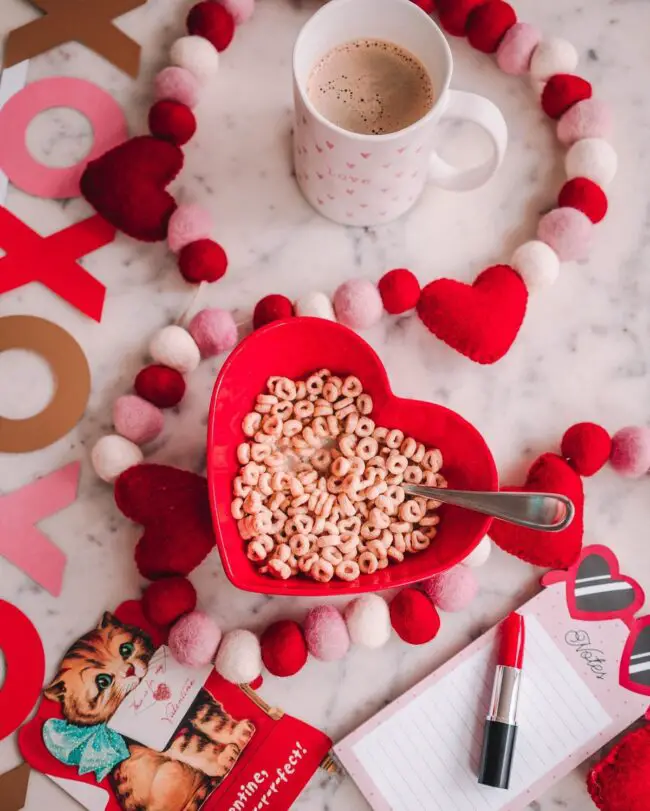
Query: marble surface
[[583, 352]]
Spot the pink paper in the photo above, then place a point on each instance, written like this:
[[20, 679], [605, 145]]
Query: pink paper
[[99, 107], [22, 543]]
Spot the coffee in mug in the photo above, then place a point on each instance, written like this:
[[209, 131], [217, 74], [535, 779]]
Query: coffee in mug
[[370, 86]]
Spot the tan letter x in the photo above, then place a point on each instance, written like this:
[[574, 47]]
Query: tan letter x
[[87, 22]]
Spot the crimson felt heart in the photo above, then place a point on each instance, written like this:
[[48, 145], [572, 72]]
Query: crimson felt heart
[[558, 550], [173, 507], [481, 320], [127, 186], [621, 782]]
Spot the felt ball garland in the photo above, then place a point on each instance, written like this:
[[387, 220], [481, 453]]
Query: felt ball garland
[[491, 26]]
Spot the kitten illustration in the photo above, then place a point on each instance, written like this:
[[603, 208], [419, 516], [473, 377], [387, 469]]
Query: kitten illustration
[[96, 675]]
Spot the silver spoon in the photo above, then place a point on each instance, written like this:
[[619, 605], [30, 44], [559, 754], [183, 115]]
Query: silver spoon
[[546, 512]]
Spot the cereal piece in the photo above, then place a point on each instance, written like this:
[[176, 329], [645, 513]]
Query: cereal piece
[[251, 423], [442, 482], [348, 570], [350, 525], [292, 428], [385, 504], [285, 389], [418, 456], [410, 511], [260, 452], [413, 474], [270, 383], [364, 404], [408, 447], [314, 384], [250, 474], [379, 518], [419, 541], [349, 543], [319, 427], [377, 549], [322, 571], [323, 408], [304, 524], [305, 563], [282, 552], [278, 569], [365, 427], [351, 386], [400, 526], [430, 520], [256, 552], [332, 555], [264, 484], [367, 448], [368, 563], [396, 463], [357, 466], [237, 508], [300, 544], [333, 426], [348, 444], [301, 390], [395, 555], [394, 478], [399, 541], [380, 433], [343, 403], [396, 493], [328, 540], [341, 466], [370, 531], [303, 410], [331, 391], [346, 505], [272, 425], [351, 422], [432, 460], [275, 460], [283, 409], [240, 489], [243, 453], [253, 502], [395, 438]]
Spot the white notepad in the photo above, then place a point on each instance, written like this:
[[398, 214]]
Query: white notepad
[[422, 752]]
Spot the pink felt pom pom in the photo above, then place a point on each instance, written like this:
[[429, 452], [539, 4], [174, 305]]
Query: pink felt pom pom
[[326, 633], [136, 419], [453, 590], [516, 48], [568, 231], [214, 331], [590, 118], [189, 223], [630, 454], [357, 304], [194, 639], [177, 84], [240, 10]]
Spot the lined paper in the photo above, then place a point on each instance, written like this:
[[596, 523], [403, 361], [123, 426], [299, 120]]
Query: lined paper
[[425, 757]]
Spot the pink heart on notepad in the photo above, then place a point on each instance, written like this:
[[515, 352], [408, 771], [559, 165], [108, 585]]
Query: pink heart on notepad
[[162, 693]]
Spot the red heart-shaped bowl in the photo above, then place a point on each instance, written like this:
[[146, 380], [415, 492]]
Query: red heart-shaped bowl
[[294, 349]]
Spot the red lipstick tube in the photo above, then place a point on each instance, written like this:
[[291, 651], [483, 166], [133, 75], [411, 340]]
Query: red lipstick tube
[[500, 732]]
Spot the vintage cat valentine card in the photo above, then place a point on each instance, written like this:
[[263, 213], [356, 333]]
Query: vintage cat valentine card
[[124, 727], [586, 677]]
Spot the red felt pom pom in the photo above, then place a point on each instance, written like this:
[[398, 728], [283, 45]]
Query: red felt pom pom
[[562, 91], [399, 291], [621, 782], [488, 24], [414, 617], [212, 21], [172, 121], [454, 13], [428, 6], [586, 196], [586, 447], [203, 261], [165, 601], [160, 385], [271, 308], [284, 649]]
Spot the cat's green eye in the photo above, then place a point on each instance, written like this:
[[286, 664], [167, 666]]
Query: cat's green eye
[[103, 681], [126, 650]]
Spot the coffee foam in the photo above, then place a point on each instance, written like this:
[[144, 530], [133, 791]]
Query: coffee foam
[[370, 86]]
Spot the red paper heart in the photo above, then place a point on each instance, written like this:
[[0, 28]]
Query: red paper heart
[[127, 186], [559, 550], [173, 507], [621, 782], [481, 320]]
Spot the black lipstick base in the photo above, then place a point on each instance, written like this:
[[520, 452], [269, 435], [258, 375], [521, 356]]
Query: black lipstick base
[[498, 752]]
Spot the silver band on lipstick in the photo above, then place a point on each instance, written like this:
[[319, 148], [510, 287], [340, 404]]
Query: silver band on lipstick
[[505, 695]]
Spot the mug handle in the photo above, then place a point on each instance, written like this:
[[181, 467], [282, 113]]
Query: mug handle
[[479, 110]]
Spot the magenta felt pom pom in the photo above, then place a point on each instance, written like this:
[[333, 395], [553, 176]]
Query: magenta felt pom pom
[[453, 590], [194, 639], [177, 84], [136, 419], [516, 48], [326, 633], [214, 331], [568, 231], [357, 304], [240, 10], [630, 454], [590, 118], [189, 223]]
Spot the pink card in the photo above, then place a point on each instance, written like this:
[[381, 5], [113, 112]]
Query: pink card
[[423, 750]]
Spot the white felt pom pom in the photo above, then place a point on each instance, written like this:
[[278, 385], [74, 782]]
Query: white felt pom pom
[[196, 54], [174, 347], [537, 264], [315, 304], [114, 454], [239, 658], [552, 56], [480, 555], [593, 158], [368, 621]]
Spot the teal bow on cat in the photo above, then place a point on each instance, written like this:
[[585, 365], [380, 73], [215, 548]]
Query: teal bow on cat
[[93, 749]]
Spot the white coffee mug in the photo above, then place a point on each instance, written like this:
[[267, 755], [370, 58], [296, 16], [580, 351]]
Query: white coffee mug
[[358, 179]]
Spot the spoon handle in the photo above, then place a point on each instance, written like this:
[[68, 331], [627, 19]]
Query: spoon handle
[[547, 512]]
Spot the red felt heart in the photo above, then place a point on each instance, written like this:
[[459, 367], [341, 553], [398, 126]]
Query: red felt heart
[[127, 186], [481, 320], [621, 782], [174, 509], [559, 550]]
